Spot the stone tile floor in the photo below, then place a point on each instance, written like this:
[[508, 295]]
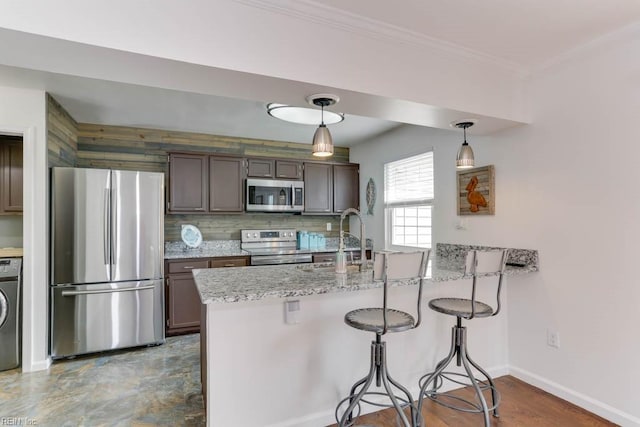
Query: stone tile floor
[[139, 387]]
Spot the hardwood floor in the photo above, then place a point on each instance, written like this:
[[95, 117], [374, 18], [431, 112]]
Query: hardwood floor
[[522, 405]]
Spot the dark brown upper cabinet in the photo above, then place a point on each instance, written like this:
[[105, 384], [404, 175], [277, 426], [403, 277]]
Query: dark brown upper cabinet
[[330, 189], [11, 176], [346, 187], [287, 169], [260, 168], [318, 188], [274, 168], [188, 183], [201, 183], [226, 179]]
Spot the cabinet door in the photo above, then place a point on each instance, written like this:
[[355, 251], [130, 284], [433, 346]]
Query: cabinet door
[[346, 187], [12, 177], [288, 169], [188, 183], [226, 184], [183, 302], [318, 188], [229, 262], [260, 168]]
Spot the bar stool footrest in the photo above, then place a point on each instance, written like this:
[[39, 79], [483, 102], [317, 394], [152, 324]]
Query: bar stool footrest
[[472, 406]]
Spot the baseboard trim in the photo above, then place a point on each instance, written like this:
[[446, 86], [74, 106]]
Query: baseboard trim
[[592, 405], [40, 365]]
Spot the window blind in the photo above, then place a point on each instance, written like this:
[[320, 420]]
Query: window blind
[[409, 181]]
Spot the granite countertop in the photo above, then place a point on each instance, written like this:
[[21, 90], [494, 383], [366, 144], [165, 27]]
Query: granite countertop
[[229, 285], [224, 248]]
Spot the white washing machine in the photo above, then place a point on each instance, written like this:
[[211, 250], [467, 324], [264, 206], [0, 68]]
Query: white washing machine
[[10, 305]]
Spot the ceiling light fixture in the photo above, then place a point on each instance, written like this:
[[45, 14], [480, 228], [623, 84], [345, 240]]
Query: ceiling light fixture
[[465, 159], [322, 141], [302, 115]]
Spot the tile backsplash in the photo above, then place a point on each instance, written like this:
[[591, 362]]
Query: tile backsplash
[[225, 227]]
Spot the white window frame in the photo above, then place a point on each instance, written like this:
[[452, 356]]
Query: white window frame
[[420, 200]]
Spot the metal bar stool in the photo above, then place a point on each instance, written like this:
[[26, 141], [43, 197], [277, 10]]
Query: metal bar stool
[[389, 267], [478, 264]]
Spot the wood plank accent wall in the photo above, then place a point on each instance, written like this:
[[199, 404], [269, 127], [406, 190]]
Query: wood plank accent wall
[[141, 149], [62, 135], [146, 149]]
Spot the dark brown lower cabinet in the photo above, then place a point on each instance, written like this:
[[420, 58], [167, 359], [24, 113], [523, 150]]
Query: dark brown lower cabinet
[[183, 304]]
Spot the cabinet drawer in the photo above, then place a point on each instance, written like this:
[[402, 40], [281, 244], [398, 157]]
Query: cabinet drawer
[[229, 262], [331, 257], [186, 266]]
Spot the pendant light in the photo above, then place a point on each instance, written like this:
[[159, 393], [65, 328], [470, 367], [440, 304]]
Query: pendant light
[[322, 141], [464, 160]]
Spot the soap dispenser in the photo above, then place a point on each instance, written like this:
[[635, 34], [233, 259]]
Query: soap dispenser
[[341, 259]]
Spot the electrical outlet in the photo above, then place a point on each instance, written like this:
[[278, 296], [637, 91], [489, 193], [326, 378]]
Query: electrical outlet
[[328, 226], [553, 339]]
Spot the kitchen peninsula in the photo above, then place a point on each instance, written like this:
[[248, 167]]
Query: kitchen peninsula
[[260, 370]]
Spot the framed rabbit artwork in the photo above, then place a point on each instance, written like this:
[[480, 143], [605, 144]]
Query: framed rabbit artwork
[[476, 191]]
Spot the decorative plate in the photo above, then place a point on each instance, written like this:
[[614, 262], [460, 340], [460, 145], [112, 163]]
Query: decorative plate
[[191, 236], [371, 196]]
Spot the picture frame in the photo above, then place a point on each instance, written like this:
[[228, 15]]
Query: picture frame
[[476, 191]]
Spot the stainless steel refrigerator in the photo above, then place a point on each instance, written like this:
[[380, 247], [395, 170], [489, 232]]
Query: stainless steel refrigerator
[[107, 250]]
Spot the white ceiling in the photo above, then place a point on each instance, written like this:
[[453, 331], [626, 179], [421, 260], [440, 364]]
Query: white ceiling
[[528, 33], [517, 35]]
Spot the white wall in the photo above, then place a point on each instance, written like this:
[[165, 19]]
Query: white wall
[[565, 186], [24, 112], [408, 141], [11, 232]]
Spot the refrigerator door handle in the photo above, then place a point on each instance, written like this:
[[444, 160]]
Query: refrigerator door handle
[[105, 291], [114, 230], [107, 231]]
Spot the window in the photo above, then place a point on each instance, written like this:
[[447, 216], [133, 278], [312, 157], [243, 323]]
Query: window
[[408, 201]]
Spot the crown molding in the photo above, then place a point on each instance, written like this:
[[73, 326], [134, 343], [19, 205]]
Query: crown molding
[[312, 11]]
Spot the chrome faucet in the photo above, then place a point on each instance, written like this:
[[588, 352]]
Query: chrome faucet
[[363, 240]]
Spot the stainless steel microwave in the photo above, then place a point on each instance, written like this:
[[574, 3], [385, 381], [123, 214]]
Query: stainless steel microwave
[[271, 195]]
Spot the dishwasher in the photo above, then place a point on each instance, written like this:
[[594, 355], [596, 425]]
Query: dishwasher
[[10, 330]]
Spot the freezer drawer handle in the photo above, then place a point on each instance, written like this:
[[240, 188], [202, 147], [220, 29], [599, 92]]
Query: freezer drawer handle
[[104, 291]]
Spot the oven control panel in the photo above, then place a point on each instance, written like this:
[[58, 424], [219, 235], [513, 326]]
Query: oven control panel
[[267, 236]]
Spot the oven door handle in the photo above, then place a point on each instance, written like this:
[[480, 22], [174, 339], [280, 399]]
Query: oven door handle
[[279, 259]]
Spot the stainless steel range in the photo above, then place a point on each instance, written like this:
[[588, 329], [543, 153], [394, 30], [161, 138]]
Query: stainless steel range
[[272, 247]]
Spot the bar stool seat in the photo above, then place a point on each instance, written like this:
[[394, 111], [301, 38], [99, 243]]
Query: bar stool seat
[[372, 320], [460, 307]]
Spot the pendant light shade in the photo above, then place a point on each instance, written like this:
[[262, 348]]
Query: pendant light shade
[[322, 141], [465, 159]]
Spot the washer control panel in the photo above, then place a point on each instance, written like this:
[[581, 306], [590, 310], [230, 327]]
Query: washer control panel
[[10, 267]]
